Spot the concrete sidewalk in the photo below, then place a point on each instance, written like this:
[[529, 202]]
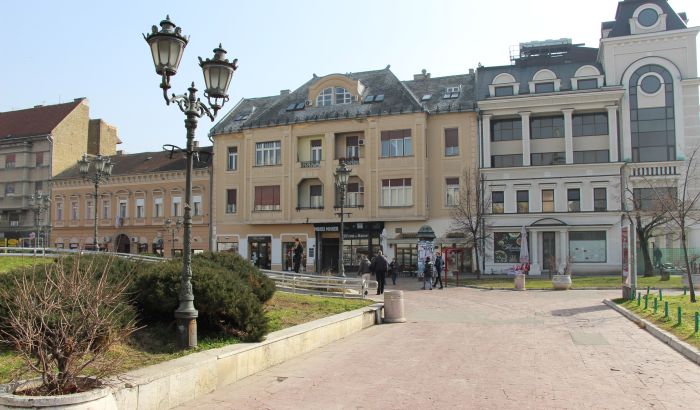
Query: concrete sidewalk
[[469, 348]]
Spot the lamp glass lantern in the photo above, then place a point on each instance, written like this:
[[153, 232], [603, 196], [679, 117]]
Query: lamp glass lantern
[[109, 165], [84, 165], [100, 163], [342, 174], [167, 47]]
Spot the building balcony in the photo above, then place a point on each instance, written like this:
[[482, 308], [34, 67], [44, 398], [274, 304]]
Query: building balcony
[[655, 169], [310, 164]]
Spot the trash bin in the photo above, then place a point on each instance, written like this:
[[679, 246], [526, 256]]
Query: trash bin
[[393, 306], [519, 281]]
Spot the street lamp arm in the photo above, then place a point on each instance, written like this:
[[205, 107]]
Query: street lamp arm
[[191, 105]]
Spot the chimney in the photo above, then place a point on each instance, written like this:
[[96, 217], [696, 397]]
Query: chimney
[[424, 75], [683, 17], [471, 71], [284, 92], [120, 152]]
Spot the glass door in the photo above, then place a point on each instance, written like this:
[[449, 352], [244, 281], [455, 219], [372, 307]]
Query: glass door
[[549, 253]]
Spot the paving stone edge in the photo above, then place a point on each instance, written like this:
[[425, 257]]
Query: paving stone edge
[[690, 352]]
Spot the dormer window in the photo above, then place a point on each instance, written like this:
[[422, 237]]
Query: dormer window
[[544, 88], [648, 17], [426, 97], [333, 96], [544, 81], [503, 85], [451, 92], [587, 77], [504, 91]]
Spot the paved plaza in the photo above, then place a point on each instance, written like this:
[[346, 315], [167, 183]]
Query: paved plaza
[[482, 349]]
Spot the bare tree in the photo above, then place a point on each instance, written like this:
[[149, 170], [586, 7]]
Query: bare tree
[[682, 205], [468, 214], [645, 220]]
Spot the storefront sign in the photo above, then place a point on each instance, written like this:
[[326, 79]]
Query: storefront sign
[[326, 229]]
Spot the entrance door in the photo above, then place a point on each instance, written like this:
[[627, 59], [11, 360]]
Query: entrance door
[[260, 252], [123, 244], [549, 252], [329, 255]]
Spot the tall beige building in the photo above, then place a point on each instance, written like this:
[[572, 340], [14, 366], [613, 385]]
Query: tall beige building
[[407, 143], [36, 144], [137, 208]]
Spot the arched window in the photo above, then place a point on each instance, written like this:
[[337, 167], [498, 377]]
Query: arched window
[[331, 96], [652, 114]]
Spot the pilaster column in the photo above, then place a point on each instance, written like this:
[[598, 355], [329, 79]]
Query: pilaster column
[[486, 139], [612, 133], [535, 267], [563, 247], [525, 118], [568, 135]]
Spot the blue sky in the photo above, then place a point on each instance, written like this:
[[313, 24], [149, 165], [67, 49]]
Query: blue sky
[[55, 51]]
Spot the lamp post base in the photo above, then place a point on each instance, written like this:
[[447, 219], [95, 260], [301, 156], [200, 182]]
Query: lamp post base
[[187, 333]]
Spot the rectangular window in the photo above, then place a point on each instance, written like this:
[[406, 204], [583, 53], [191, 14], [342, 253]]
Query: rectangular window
[[544, 88], [397, 192], [548, 158], [316, 196], [503, 91], [584, 125], [452, 191], [9, 160], [600, 199], [89, 210], [354, 196], [268, 153], [397, 143], [267, 198], [506, 246], [352, 147], [504, 161], [59, 211], [650, 199], [653, 130], [547, 200], [547, 127], [507, 130], [573, 197], [123, 210], [39, 186], [231, 201], [451, 142], [157, 207], [39, 159], [74, 214], [587, 246], [497, 202], [316, 150], [232, 159], [14, 219], [140, 208], [587, 84], [523, 201], [591, 157], [106, 211], [175, 211], [10, 188], [197, 205]]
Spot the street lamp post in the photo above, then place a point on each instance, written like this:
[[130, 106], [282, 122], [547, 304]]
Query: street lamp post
[[173, 228], [342, 173], [39, 203], [167, 47], [102, 169]]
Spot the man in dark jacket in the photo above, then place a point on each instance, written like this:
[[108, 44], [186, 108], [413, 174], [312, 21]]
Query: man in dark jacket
[[379, 267], [438, 269], [298, 252]]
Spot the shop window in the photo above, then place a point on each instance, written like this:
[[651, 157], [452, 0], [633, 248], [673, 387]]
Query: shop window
[[506, 247], [588, 246]]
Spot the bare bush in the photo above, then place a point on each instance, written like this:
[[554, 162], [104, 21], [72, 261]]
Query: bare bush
[[63, 321]]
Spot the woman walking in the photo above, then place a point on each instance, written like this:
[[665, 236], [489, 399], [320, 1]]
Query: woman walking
[[428, 274]]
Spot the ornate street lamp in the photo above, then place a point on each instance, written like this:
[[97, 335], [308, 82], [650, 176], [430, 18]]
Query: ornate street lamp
[[342, 174], [102, 169], [173, 228], [39, 203], [167, 47]]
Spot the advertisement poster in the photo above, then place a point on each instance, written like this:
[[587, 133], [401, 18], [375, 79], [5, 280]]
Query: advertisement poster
[[425, 248], [506, 247], [625, 256]]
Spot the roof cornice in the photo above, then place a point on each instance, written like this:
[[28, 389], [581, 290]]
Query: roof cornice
[[610, 95]]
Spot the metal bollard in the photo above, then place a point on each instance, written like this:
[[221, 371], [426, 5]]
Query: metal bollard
[[679, 316], [393, 307], [661, 294], [685, 291], [666, 310], [646, 301], [639, 298], [656, 305], [648, 289], [697, 321]]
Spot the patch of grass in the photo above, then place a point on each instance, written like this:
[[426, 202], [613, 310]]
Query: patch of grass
[[286, 309], [156, 343], [8, 263], [578, 282], [685, 331]]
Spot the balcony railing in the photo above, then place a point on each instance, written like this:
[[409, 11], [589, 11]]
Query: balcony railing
[[349, 161], [310, 164], [654, 169]]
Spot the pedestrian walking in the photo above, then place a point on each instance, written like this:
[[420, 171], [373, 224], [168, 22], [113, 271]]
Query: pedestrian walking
[[379, 267], [394, 270], [427, 274], [438, 269], [298, 253], [364, 272]]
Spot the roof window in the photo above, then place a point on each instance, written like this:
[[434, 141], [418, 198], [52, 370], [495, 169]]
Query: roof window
[[242, 117], [426, 97], [296, 106], [451, 92], [373, 98]]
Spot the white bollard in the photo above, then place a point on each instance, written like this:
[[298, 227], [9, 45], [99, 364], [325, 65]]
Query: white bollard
[[393, 306]]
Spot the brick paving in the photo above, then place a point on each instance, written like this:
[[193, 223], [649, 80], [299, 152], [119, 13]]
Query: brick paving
[[481, 349]]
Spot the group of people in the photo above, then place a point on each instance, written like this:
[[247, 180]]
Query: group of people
[[379, 266], [431, 269]]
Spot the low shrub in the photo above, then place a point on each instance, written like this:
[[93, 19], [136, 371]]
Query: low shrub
[[262, 286]]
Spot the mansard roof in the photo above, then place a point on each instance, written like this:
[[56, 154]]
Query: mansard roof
[[147, 162], [37, 121], [625, 11], [398, 97]]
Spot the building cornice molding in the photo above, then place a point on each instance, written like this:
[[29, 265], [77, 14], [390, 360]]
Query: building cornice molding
[[569, 99]]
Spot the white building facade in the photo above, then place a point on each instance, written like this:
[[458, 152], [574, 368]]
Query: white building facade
[[566, 131]]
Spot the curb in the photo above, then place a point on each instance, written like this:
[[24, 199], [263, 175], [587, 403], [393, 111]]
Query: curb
[[690, 352]]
